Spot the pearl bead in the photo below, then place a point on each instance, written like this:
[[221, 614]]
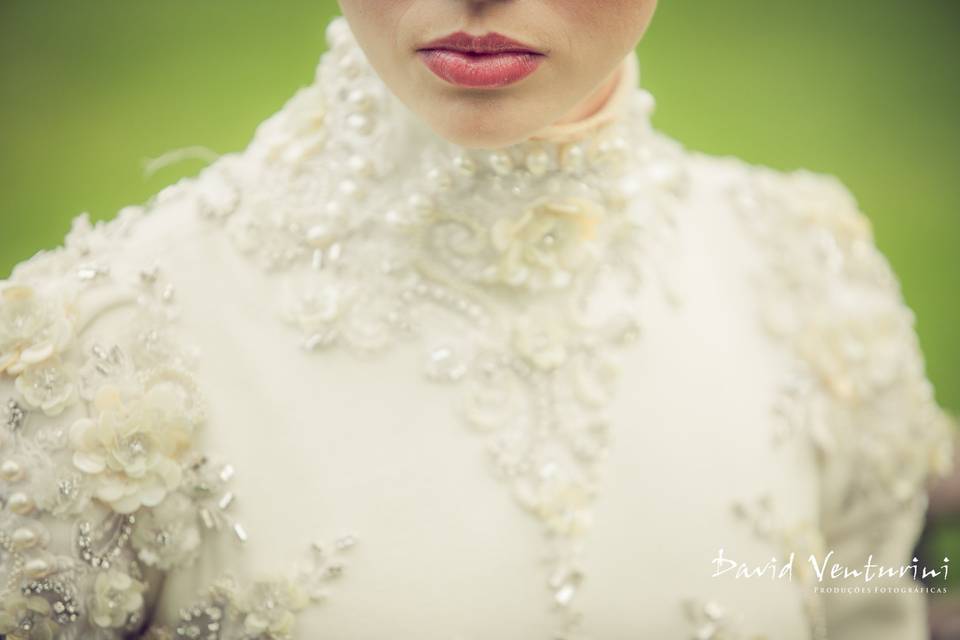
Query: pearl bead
[[320, 235], [36, 567], [573, 158], [349, 65], [500, 162], [464, 164], [439, 178], [20, 503], [394, 218], [23, 538], [350, 189], [338, 34], [359, 100], [538, 162], [360, 123], [333, 209], [419, 203], [11, 471], [360, 166]]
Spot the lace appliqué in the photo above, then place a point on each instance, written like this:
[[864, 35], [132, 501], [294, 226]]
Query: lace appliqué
[[99, 439], [263, 608], [518, 270], [858, 382]]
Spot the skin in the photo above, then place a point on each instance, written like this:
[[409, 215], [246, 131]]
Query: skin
[[584, 41]]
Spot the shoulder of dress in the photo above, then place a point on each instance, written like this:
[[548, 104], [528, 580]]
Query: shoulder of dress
[[137, 234], [101, 485], [829, 294]]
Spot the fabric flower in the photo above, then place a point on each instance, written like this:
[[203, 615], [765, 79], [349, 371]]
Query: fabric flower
[[270, 607], [857, 357], [546, 243], [32, 328], [131, 449], [116, 598], [167, 535], [48, 386], [26, 618]]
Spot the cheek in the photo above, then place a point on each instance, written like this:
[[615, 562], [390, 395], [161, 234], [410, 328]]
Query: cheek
[[375, 22], [607, 26]]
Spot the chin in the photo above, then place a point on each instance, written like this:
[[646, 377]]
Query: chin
[[483, 128]]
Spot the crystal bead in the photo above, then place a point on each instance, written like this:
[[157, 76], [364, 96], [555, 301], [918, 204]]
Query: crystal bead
[[444, 364]]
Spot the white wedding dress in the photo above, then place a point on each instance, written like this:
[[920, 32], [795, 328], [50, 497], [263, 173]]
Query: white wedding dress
[[355, 382]]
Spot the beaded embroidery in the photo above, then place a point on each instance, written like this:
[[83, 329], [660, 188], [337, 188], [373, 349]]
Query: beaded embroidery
[[99, 438], [511, 258], [858, 382], [856, 390]]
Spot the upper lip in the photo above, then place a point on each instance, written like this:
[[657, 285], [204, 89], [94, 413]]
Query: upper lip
[[492, 42]]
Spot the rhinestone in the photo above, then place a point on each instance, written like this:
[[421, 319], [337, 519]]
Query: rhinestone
[[240, 532]]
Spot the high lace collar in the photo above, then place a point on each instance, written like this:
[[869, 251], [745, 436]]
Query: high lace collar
[[520, 272], [346, 158]]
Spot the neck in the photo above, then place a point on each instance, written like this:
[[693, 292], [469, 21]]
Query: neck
[[595, 101]]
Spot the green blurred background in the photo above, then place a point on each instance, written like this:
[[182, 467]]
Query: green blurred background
[[866, 89]]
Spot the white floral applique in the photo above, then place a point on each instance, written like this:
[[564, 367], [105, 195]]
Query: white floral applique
[[858, 387], [518, 271], [97, 436], [266, 608]]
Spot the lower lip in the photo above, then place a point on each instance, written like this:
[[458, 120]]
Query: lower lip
[[476, 70]]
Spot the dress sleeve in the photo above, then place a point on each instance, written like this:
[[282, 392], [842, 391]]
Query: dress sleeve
[[100, 488], [890, 441], [879, 436]]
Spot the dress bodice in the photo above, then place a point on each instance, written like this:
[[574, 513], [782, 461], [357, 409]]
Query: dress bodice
[[357, 381]]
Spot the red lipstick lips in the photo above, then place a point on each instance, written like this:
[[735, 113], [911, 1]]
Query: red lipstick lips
[[488, 61]]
